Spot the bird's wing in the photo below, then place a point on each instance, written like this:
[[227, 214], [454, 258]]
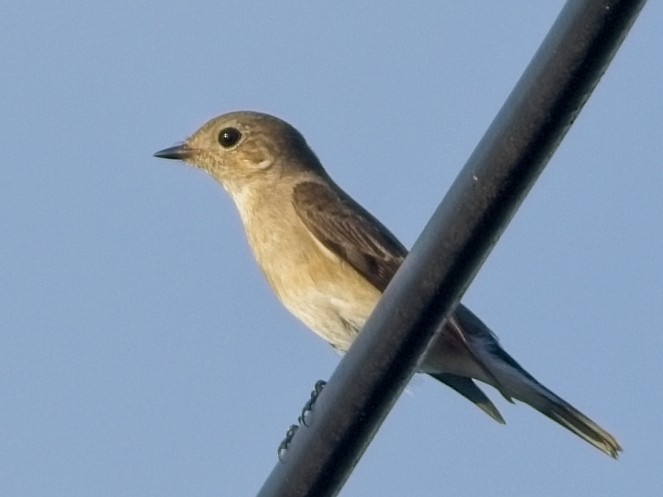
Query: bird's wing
[[468, 389], [349, 231], [455, 336], [353, 234]]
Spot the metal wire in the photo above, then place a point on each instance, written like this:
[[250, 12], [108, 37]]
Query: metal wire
[[454, 244]]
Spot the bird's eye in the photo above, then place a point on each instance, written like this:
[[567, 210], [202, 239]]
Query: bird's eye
[[229, 137]]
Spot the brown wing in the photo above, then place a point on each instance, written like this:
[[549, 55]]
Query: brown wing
[[349, 231]]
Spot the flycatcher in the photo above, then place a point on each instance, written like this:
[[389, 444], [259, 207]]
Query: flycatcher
[[328, 260]]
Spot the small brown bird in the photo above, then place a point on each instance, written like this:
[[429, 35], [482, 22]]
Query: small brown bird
[[328, 260]]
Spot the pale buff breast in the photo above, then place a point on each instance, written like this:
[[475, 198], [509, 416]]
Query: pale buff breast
[[314, 284]]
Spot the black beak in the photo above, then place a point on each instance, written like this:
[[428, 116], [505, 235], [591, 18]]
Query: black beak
[[178, 152]]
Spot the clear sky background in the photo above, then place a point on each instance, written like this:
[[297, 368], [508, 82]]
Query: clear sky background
[[141, 352]]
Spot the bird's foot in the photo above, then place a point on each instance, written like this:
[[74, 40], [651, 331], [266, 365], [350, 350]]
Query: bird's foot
[[303, 419], [283, 446], [308, 407]]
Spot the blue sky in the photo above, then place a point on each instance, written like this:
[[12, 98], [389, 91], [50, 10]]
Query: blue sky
[[141, 352]]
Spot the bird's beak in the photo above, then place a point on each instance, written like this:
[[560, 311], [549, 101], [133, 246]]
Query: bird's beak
[[178, 152]]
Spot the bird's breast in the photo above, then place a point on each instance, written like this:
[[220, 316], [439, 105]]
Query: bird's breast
[[314, 284]]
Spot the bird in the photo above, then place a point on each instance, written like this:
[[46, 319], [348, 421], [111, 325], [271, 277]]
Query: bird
[[328, 260]]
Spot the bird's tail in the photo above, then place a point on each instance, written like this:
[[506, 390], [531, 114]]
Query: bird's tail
[[514, 382], [560, 411]]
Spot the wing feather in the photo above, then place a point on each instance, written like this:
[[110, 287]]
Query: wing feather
[[349, 231]]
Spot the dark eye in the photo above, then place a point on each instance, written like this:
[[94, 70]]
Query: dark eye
[[229, 137]]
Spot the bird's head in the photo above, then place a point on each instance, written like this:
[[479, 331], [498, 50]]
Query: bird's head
[[241, 148]]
